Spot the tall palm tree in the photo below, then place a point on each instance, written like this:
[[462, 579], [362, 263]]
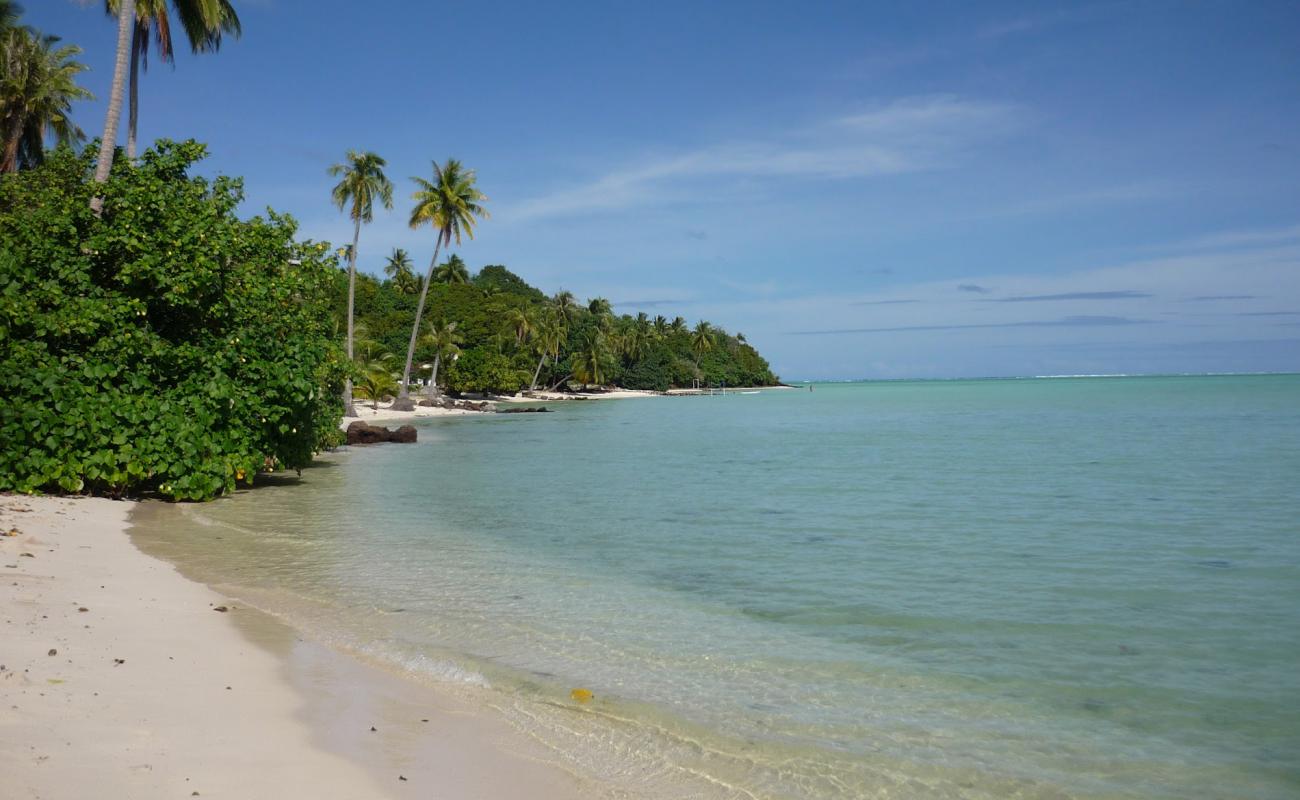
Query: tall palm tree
[[454, 271], [362, 183], [566, 305], [702, 339], [661, 325], [550, 335], [599, 306], [108, 142], [37, 88], [445, 341], [204, 23], [521, 324], [449, 204], [591, 361], [400, 268], [636, 342], [678, 325]]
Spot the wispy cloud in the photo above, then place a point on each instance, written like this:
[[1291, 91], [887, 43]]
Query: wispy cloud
[[1045, 298], [909, 135], [1255, 237], [883, 302], [649, 303], [1208, 297], [1065, 322], [973, 288]]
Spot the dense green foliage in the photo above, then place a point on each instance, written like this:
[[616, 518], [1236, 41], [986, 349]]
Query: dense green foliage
[[168, 346], [505, 325]]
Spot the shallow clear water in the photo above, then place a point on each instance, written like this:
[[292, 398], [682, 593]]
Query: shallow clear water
[[1032, 588]]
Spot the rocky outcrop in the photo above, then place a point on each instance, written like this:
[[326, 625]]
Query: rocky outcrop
[[538, 410], [361, 432], [461, 405]]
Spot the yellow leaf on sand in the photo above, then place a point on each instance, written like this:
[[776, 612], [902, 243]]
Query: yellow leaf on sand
[[582, 695]]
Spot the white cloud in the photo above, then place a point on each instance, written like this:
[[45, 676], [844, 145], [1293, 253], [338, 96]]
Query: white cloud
[[908, 135]]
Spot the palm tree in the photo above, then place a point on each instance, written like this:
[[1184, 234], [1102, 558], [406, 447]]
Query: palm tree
[[661, 325], [37, 89], [399, 268], [566, 305], [377, 379], [108, 143], [363, 181], [702, 339], [442, 338], [454, 271], [591, 361], [519, 323], [550, 334], [449, 203], [599, 306], [204, 23], [678, 325], [636, 342]]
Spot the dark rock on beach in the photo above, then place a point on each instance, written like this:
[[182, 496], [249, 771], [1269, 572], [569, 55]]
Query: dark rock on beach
[[361, 432], [523, 410], [462, 405]]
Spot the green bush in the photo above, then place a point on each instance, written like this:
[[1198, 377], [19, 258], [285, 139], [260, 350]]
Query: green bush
[[481, 370], [166, 347]]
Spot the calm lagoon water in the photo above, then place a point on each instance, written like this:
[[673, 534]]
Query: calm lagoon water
[[1032, 588]]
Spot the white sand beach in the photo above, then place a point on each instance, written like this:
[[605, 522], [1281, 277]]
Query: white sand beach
[[121, 678]]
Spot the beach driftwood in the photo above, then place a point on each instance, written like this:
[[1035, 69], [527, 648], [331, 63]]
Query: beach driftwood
[[361, 432]]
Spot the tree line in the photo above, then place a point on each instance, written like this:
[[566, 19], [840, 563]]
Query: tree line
[[492, 332]]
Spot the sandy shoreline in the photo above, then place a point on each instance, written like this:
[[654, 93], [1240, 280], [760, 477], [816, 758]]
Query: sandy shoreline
[[120, 679], [367, 413]]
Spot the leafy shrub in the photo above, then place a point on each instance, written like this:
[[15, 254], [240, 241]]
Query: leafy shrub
[[481, 370], [166, 347]]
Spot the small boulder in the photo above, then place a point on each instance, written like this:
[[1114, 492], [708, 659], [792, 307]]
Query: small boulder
[[361, 432]]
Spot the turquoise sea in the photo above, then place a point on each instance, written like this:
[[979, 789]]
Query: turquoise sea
[[1046, 588]]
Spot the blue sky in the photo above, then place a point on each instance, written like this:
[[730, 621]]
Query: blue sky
[[864, 189]]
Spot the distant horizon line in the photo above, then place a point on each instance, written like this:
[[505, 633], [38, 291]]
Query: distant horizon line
[[1050, 377]]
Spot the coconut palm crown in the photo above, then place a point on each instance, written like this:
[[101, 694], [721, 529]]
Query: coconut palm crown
[[362, 182], [204, 22], [451, 204], [37, 89]]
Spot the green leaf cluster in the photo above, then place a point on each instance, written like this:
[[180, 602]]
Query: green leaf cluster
[[167, 346]]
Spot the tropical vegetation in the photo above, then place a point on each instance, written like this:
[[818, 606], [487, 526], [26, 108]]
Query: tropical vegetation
[[164, 346], [152, 341], [450, 204], [38, 85], [361, 183], [204, 22], [510, 337]]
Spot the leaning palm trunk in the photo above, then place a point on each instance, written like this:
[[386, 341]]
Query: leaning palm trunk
[[403, 401], [139, 41], [433, 379], [532, 387], [348, 409], [125, 24]]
